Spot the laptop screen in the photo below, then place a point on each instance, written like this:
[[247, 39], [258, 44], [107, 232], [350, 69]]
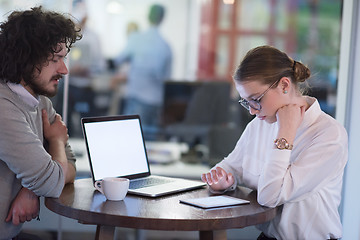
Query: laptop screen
[[115, 147]]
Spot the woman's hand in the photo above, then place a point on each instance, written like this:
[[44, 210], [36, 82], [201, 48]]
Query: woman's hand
[[218, 179], [289, 118]]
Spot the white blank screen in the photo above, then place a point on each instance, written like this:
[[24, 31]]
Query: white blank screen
[[116, 148]]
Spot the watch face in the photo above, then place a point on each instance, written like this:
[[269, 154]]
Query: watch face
[[282, 144]]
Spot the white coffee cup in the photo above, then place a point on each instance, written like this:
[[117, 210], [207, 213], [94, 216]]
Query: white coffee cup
[[113, 188]]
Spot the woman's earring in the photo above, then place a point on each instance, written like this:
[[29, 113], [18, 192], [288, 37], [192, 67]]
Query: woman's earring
[[285, 92]]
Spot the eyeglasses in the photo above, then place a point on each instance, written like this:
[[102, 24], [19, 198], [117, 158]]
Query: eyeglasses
[[255, 103]]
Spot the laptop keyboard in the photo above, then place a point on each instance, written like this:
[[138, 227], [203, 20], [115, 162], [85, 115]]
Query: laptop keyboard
[[148, 182]]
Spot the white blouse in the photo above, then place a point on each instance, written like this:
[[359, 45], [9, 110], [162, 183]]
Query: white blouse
[[306, 181]]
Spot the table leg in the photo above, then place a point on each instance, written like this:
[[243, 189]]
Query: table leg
[[213, 235], [104, 232], [140, 234]]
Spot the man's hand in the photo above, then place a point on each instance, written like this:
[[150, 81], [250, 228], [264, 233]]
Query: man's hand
[[25, 207], [218, 179], [57, 136], [57, 131]]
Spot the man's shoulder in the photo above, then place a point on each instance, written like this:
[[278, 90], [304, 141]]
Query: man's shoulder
[[3, 85], [5, 93]]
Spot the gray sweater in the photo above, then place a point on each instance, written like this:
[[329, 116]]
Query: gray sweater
[[24, 161]]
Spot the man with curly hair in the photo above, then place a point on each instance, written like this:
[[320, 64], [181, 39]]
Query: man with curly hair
[[35, 157]]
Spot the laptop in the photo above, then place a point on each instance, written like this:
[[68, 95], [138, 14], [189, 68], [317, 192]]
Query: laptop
[[116, 148]]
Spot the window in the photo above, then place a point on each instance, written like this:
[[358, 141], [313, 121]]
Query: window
[[208, 40], [308, 31]]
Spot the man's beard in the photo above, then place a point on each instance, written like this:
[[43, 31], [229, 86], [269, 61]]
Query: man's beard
[[40, 90]]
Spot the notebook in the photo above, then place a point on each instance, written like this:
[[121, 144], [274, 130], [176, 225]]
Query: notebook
[[116, 148]]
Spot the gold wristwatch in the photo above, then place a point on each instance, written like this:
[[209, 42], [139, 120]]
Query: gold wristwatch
[[282, 143]]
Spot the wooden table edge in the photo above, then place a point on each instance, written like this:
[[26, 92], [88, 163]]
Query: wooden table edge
[[82, 216]]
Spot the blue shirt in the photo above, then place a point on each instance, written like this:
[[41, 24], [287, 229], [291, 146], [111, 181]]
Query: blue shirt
[[150, 59]]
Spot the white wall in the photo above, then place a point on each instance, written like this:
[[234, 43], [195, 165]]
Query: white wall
[[348, 112]]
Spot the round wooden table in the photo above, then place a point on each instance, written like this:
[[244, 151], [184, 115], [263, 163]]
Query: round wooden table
[[82, 202]]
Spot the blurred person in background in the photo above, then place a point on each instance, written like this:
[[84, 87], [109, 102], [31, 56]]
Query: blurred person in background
[[150, 58], [118, 81]]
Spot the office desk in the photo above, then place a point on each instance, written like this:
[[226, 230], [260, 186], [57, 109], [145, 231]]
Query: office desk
[[82, 202]]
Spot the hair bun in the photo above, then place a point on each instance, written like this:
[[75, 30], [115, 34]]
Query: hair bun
[[301, 72]]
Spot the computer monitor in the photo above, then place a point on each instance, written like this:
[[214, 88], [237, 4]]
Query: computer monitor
[[196, 103], [192, 108]]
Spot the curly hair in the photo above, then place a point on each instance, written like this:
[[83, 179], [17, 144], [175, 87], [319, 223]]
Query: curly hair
[[28, 38]]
